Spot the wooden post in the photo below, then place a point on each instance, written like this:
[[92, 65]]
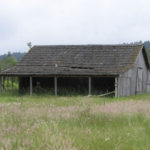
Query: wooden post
[[116, 87], [7, 82], [12, 82], [89, 85], [30, 86], [3, 83], [55, 85], [0, 86], [2, 78]]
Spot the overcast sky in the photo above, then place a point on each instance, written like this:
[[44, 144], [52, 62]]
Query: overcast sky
[[53, 22]]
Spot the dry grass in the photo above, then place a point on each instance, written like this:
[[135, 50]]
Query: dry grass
[[122, 107], [68, 124]]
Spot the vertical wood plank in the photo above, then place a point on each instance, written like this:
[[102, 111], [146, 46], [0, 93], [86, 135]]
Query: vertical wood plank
[[31, 86], [116, 87], [0, 86], [89, 85], [55, 85]]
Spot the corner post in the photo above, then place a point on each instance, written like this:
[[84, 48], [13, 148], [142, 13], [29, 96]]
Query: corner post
[[55, 85], [89, 85], [31, 86], [116, 87], [0, 85]]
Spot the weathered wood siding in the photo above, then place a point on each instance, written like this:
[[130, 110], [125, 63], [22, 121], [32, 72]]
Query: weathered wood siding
[[135, 80]]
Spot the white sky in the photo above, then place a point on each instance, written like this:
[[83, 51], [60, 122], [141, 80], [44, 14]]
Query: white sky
[[46, 22]]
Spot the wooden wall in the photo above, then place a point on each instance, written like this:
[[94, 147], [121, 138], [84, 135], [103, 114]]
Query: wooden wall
[[135, 80]]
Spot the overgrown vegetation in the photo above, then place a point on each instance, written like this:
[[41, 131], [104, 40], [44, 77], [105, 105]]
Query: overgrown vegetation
[[74, 123], [7, 62]]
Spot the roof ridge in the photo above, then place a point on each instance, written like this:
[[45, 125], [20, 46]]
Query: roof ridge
[[90, 45]]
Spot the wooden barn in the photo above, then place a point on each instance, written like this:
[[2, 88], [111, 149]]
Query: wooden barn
[[123, 69]]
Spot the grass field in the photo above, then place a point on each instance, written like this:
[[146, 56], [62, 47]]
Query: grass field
[[74, 123]]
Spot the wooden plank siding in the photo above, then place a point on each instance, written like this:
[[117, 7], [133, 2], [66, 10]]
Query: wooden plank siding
[[134, 80]]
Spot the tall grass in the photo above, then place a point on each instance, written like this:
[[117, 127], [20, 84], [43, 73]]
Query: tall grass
[[74, 122]]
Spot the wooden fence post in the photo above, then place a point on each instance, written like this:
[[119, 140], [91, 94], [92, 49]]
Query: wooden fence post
[[55, 85]]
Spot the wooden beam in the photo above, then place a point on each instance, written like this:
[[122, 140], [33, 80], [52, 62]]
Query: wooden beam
[[0, 86], [55, 85], [31, 86], [90, 86]]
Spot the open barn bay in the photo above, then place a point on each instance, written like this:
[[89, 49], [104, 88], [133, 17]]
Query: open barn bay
[[74, 123]]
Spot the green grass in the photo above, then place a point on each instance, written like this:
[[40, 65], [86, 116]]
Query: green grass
[[74, 122]]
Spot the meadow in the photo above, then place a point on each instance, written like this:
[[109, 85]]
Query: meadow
[[46, 122]]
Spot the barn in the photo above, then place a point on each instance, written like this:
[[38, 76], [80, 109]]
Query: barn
[[122, 69]]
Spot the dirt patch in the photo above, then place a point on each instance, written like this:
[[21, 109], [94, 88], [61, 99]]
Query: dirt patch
[[125, 107]]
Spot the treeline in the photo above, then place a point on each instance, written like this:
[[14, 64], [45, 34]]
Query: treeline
[[147, 46], [17, 55], [9, 60]]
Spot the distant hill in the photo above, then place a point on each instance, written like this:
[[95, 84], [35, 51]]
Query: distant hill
[[17, 55]]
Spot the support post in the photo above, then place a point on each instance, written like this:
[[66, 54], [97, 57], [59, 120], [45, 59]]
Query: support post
[[55, 85], [12, 82], [89, 85], [3, 83], [7, 83], [0, 86], [116, 87], [30, 86]]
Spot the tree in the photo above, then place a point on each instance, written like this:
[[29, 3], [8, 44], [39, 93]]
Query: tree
[[9, 54], [29, 44], [7, 62]]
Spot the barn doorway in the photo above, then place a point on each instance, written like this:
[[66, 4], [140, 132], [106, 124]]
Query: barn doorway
[[103, 85]]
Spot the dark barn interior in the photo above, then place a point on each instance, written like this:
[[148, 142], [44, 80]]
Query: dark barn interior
[[103, 85], [73, 85], [68, 85]]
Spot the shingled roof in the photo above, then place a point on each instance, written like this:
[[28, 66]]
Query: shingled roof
[[77, 60]]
